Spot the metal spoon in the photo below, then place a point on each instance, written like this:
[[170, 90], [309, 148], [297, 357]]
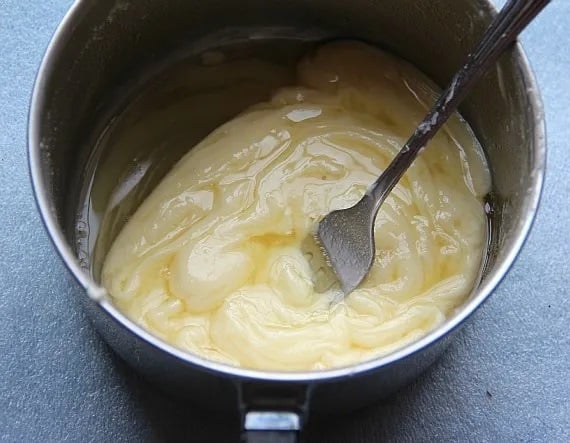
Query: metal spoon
[[347, 235]]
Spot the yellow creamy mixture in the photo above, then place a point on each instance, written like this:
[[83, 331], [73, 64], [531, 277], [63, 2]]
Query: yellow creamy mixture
[[217, 260]]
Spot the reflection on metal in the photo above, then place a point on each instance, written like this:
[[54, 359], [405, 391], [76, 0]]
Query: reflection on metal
[[272, 421]]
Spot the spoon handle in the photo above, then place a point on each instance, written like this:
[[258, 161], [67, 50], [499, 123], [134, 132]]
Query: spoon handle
[[503, 31]]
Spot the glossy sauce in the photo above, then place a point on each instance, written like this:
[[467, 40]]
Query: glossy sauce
[[218, 260]]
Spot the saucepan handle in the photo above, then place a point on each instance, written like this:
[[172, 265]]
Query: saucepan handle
[[273, 413], [271, 427]]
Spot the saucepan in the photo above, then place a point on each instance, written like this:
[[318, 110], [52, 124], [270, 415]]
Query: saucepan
[[92, 57]]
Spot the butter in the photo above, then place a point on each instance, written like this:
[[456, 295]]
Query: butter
[[218, 260]]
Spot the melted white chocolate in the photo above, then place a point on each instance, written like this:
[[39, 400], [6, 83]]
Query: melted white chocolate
[[217, 260]]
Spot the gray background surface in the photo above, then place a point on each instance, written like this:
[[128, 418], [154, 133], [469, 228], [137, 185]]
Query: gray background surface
[[506, 377]]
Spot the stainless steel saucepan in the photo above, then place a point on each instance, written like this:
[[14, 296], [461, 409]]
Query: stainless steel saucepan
[[98, 46]]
